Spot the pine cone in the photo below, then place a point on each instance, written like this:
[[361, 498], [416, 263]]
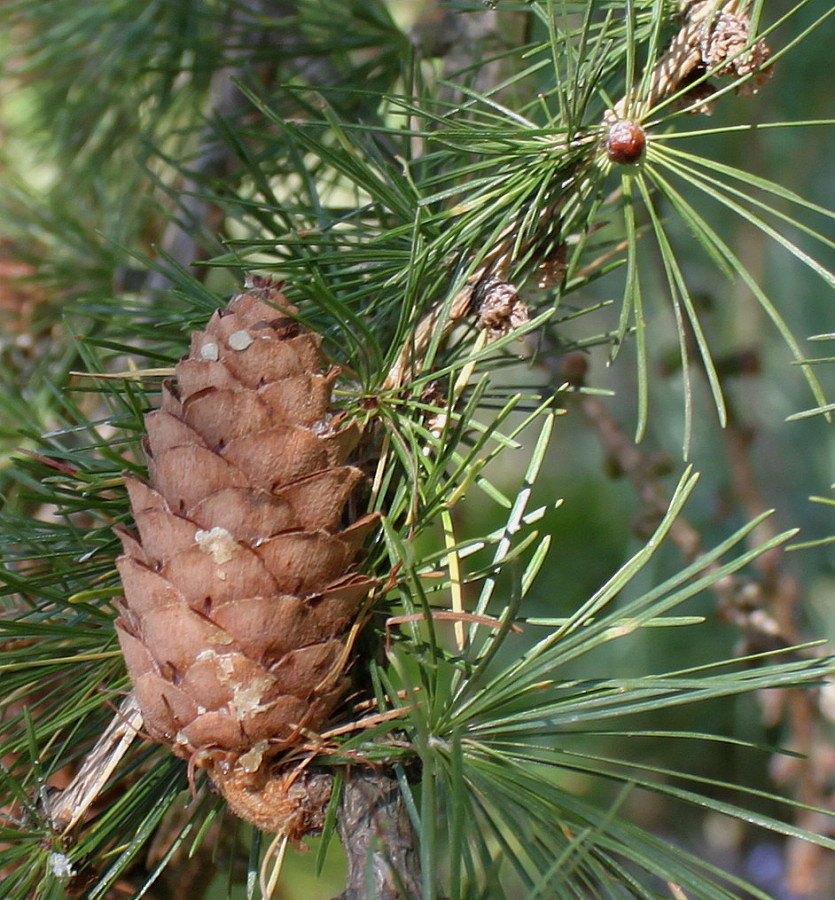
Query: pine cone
[[238, 590]]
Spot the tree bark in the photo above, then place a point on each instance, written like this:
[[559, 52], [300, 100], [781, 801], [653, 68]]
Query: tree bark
[[378, 838]]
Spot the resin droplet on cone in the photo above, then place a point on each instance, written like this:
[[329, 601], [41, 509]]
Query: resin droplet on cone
[[239, 588]]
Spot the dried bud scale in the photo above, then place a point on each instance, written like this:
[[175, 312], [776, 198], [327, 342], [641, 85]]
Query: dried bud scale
[[726, 43], [499, 308], [239, 587]]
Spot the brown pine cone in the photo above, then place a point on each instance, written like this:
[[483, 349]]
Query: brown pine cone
[[238, 589]]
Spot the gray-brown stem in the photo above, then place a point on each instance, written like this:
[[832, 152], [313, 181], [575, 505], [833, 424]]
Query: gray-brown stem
[[378, 838]]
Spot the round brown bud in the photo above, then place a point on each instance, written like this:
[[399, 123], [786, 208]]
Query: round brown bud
[[625, 142]]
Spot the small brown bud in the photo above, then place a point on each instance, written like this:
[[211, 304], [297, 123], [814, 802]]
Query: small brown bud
[[625, 142]]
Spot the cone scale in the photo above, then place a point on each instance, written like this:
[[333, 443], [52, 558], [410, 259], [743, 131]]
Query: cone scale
[[239, 589]]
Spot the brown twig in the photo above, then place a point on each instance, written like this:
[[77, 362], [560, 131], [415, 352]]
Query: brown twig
[[641, 469], [807, 870], [378, 837]]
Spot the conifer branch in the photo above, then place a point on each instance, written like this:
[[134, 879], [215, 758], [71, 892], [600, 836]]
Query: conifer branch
[[256, 587]]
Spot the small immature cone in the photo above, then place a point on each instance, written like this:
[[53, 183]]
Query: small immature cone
[[238, 585]]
